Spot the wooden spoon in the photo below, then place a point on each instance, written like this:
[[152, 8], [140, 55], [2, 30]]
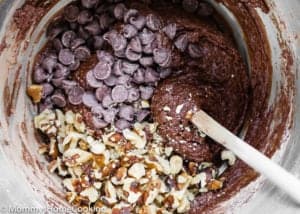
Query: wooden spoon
[[262, 164]]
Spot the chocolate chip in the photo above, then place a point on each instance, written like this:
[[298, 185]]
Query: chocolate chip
[[103, 7], [170, 30], [89, 99], [84, 17], [53, 33], [68, 85], [194, 51], [146, 36], [49, 64], [108, 36], [151, 76], [59, 100], [46, 104], [139, 76], [98, 42], [130, 13], [55, 29], [82, 53], [102, 70], [119, 11], [111, 81], [57, 44], [66, 56], [75, 65], [204, 9], [73, 25], [102, 91], [181, 42], [153, 22], [126, 112], [92, 81], [164, 73], [93, 28], [129, 68], [57, 82], [146, 92], [135, 44], [105, 56], [99, 123], [51, 54], [97, 110], [162, 57], [122, 124], [47, 89], [132, 55], [129, 31], [133, 94], [117, 68], [119, 94], [105, 21], [61, 71], [109, 115], [124, 80], [190, 5], [148, 49], [40, 75], [90, 43], [76, 43], [75, 95], [146, 61], [82, 33], [89, 3], [67, 38], [138, 22], [120, 54], [142, 115], [107, 101], [116, 40], [71, 13]]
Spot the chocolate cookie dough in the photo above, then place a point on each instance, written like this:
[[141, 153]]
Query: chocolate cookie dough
[[214, 79], [183, 57], [174, 100]]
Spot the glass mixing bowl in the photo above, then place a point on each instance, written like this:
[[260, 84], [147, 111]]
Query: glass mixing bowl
[[24, 179]]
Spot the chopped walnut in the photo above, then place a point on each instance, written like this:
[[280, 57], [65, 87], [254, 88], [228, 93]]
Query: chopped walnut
[[214, 184], [122, 172], [137, 170], [229, 156], [35, 92], [176, 164]]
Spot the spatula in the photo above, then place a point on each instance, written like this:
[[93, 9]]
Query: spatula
[[255, 159]]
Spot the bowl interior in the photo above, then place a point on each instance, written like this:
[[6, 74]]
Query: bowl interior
[[26, 181]]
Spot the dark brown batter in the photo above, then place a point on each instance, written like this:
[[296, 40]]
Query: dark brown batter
[[217, 83], [173, 100]]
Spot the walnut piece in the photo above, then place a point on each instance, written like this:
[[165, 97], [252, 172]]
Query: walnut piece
[[35, 92]]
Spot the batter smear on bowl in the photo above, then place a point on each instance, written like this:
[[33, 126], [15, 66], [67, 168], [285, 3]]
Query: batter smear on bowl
[[104, 86]]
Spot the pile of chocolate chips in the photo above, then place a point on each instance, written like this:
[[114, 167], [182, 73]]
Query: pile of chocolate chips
[[131, 60]]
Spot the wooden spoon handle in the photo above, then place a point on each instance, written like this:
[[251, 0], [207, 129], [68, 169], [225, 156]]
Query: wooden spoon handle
[[262, 164]]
